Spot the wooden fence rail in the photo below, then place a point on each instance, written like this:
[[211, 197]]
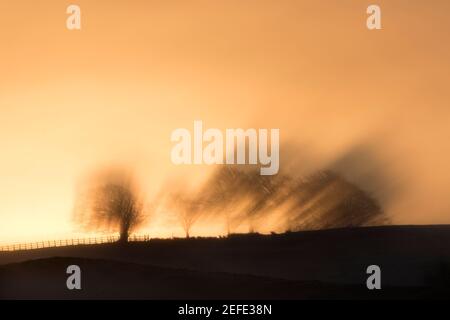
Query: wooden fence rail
[[69, 242]]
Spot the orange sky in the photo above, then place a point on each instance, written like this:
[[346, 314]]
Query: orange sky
[[113, 92]]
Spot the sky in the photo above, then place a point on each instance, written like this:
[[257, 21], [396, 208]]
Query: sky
[[371, 103]]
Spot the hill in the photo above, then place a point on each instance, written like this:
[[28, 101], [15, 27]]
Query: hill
[[102, 279], [409, 256]]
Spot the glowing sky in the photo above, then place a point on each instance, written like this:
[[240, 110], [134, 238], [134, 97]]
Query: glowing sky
[[113, 92]]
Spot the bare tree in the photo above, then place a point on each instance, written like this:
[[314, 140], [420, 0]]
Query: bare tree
[[243, 195], [188, 209], [110, 201], [318, 201], [223, 194], [326, 200]]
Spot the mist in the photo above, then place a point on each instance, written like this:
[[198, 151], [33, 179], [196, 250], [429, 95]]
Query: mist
[[370, 107]]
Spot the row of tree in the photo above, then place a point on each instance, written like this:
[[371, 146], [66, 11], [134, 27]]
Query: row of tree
[[111, 200]]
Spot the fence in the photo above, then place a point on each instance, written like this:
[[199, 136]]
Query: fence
[[69, 242]]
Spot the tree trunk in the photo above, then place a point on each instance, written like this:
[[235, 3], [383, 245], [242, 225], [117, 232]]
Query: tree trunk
[[123, 235]]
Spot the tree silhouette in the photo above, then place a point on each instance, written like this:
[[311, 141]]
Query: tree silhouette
[[188, 209], [110, 201], [224, 193], [326, 200], [318, 201]]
